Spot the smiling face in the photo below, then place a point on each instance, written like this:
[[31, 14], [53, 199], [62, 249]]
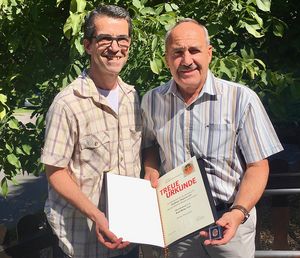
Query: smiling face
[[188, 56], [108, 59]]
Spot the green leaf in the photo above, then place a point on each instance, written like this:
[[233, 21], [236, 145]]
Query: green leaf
[[14, 77], [19, 151], [278, 29], [159, 9], [224, 69], [257, 18], [26, 148], [80, 5], [58, 2], [13, 124], [174, 6], [13, 160], [2, 112], [79, 46], [244, 53], [154, 43], [252, 30], [261, 63], [3, 98], [137, 4], [264, 5], [232, 46], [73, 24], [9, 148], [68, 27], [264, 78], [73, 6], [168, 8], [156, 65], [4, 187], [147, 10]]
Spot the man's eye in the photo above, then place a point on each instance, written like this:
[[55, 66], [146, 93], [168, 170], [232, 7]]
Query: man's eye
[[194, 51], [122, 40], [177, 53], [106, 39]]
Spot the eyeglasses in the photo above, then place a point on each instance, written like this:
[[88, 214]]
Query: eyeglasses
[[105, 40]]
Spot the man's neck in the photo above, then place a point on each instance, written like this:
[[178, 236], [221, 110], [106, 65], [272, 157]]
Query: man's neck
[[105, 82]]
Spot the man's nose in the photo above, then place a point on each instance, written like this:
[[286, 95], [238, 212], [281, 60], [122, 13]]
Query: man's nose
[[187, 59], [114, 46]]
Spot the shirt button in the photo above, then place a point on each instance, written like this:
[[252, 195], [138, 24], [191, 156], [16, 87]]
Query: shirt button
[[96, 143]]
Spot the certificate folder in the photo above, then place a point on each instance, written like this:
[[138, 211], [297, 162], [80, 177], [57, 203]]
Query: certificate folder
[[181, 205]]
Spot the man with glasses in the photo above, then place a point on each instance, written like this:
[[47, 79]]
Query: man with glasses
[[93, 126]]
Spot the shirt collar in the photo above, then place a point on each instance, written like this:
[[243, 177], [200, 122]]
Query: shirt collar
[[209, 87], [87, 87]]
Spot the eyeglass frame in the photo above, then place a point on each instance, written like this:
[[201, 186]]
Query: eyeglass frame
[[111, 38]]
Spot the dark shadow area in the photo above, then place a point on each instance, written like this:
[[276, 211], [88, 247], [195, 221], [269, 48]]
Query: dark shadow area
[[278, 226], [26, 198], [24, 227]]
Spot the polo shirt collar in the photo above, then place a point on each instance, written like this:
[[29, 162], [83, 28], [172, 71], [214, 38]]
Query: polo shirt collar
[[209, 87]]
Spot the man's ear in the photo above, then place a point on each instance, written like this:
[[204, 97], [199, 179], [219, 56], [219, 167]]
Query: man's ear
[[166, 59], [87, 46], [210, 49]]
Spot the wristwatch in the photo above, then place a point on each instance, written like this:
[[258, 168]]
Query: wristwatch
[[243, 210]]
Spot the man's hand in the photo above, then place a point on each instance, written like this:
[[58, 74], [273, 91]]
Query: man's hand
[[230, 222], [105, 236], [153, 176], [151, 164]]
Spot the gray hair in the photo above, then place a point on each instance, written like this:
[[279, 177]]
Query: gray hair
[[112, 11], [187, 20]]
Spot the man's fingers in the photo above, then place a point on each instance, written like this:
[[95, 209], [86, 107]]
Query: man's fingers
[[123, 245], [109, 239], [153, 178], [154, 181], [204, 233]]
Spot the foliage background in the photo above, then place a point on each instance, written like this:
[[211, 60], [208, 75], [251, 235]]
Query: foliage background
[[255, 43]]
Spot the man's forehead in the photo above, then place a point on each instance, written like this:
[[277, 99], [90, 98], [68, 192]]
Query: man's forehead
[[182, 43], [187, 32], [110, 25]]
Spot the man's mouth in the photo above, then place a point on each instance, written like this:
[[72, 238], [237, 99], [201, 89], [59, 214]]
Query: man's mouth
[[187, 69], [113, 57]]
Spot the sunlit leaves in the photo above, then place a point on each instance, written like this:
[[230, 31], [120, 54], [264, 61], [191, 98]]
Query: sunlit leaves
[[13, 160], [264, 5], [156, 65]]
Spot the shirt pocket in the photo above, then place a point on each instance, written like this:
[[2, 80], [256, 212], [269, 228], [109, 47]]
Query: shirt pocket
[[92, 147], [220, 141]]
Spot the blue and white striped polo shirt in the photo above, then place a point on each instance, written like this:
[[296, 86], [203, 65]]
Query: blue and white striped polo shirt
[[226, 125]]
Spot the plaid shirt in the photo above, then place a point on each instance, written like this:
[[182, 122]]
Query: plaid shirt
[[226, 125], [86, 136]]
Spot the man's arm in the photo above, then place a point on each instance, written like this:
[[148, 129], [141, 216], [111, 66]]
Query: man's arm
[[251, 189], [62, 182], [151, 164]]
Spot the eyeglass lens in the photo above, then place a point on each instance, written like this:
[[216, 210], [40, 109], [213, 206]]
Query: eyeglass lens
[[106, 40]]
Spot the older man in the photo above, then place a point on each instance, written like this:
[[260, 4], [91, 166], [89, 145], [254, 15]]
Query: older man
[[93, 126], [224, 123]]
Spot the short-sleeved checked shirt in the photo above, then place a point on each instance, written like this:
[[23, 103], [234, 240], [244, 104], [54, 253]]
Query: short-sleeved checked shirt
[[86, 136], [226, 125]]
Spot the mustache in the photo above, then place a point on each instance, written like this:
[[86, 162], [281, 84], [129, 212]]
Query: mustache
[[184, 68]]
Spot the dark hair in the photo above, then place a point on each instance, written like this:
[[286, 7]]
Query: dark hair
[[112, 11]]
